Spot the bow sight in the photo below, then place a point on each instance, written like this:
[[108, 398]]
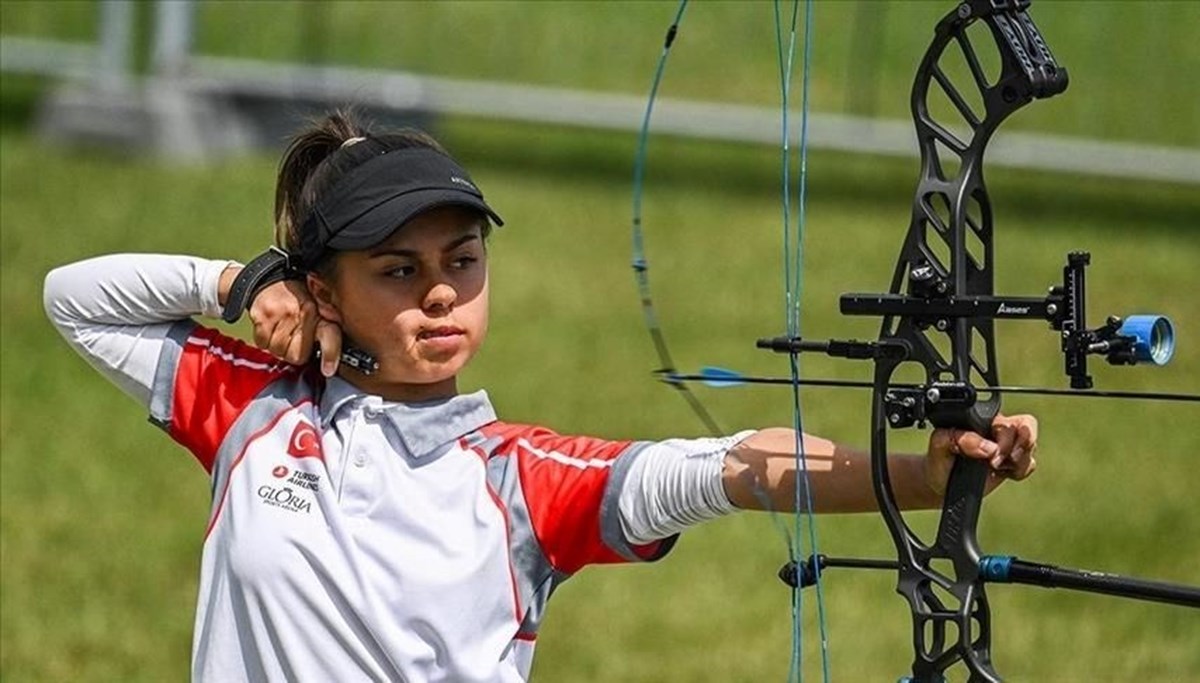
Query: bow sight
[[929, 304]]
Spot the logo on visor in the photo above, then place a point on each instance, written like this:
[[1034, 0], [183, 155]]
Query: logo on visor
[[463, 181]]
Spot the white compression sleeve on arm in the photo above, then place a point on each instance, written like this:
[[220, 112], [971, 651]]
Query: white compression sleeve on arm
[[116, 310], [673, 485]]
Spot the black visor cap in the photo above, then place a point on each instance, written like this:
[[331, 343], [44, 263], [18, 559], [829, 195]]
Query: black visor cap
[[383, 194]]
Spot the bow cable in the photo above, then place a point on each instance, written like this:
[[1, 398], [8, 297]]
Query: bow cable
[[641, 268], [793, 245], [667, 371]]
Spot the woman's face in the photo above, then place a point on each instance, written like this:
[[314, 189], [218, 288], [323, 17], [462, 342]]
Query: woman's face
[[417, 302]]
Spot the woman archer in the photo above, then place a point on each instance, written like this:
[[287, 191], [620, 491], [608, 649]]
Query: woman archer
[[369, 522]]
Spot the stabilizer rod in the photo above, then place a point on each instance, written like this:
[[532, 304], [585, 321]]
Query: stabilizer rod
[[1009, 569]]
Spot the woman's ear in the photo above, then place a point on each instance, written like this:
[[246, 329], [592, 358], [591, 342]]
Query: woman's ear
[[325, 298]]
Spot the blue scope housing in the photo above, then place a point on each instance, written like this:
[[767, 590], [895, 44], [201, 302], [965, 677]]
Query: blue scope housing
[[1154, 337]]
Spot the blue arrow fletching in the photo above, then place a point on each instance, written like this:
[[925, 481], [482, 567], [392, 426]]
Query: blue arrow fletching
[[720, 378]]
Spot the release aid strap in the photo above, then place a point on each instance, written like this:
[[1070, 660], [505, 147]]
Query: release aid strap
[[271, 266]]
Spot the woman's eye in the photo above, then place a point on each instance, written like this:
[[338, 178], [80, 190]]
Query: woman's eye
[[464, 262], [402, 272]]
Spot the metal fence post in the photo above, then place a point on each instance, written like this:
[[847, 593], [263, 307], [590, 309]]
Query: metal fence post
[[116, 43], [172, 37]]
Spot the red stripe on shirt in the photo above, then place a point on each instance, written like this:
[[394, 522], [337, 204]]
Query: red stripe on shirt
[[564, 479], [216, 378]]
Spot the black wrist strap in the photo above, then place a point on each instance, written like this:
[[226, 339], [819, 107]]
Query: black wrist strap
[[271, 266]]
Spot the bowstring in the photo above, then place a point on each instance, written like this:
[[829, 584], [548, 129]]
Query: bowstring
[[793, 251], [803, 500], [641, 269]]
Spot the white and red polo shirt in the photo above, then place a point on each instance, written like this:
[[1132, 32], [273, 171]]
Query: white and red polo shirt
[[355, 539]]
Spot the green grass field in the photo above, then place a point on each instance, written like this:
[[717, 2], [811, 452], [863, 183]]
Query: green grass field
[[102, 516]]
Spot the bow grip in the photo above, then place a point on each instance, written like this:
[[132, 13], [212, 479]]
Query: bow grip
[[271, 266], [960, 515], [964, 494], [965, 489]]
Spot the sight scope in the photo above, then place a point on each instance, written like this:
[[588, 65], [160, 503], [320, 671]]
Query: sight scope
[[1153, 335]]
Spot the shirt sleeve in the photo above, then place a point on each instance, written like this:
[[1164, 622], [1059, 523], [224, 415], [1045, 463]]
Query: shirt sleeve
[[674, 485], [572, 487], [116, 311], [203, 383], [130, 317]]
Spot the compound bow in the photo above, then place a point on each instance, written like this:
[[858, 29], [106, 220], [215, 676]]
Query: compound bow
[[939, 316]]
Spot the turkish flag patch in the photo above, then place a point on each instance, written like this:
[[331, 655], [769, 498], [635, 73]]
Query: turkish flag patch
[[305, 442]]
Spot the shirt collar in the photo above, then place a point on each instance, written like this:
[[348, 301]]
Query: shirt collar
[[423, 427], [338, 393]]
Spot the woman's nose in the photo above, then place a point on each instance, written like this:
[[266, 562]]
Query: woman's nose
[[440, 295]]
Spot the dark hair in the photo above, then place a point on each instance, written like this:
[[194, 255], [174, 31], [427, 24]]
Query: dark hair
[[318, 156]]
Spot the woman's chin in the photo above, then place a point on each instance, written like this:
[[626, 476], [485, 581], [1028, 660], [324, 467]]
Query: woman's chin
[[431, 374]]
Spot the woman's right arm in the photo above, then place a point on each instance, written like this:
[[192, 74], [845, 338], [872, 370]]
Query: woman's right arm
[[116, 311]]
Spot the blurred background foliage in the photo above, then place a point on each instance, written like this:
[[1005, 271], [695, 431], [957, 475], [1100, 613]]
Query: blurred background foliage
[[102, 516], [866, 51]]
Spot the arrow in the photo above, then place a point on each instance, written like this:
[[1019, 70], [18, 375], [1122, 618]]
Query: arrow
[[725, 378]]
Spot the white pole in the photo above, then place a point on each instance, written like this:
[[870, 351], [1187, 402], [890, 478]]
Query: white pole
[[173, 29], [116, 42]]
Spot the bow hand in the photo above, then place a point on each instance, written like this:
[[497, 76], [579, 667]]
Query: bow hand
[[1009, 451]]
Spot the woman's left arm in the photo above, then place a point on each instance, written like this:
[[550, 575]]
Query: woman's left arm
[[760, 472]]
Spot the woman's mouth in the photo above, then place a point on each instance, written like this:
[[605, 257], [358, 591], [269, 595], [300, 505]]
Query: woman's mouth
[[439, 333], [441, 340]]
